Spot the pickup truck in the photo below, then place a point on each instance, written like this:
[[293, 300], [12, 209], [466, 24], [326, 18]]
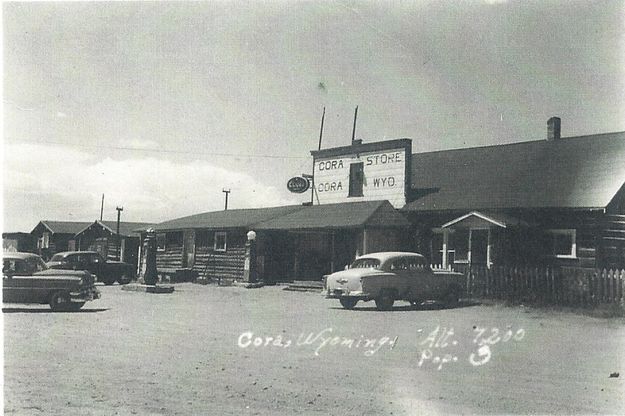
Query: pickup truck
[[27, 279], [389, 276], [106, 271]]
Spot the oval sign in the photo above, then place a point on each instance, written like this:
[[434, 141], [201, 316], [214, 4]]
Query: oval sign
[[298, 185]]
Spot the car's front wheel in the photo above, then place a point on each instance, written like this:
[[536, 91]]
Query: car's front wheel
[[60, 302], [348, 303], [385, 301], [125, 278]]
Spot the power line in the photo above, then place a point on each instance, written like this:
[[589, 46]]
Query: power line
[[135, 149]]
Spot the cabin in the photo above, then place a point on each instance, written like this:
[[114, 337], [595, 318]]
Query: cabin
[[102, 236], [55, 236], [17, 242]]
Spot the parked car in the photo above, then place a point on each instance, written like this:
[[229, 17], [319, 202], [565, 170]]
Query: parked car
[[27, 279], [106, 271], [389, 276]]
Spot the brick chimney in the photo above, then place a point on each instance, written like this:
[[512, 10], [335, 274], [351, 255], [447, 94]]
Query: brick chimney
[[553, 128]]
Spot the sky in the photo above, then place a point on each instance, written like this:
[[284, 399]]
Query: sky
[[162, 106]]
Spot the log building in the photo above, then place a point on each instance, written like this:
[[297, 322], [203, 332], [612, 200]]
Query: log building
[[559, 201]]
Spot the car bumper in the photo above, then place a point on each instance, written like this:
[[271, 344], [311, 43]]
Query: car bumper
[[346, 293], [85, 295]]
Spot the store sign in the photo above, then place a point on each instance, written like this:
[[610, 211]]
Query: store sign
[[298, 185]]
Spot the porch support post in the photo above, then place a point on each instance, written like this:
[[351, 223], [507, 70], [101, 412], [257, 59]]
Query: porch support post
[[488, 249], [469, 253], [445, 245], [364, 240], [333, 255]]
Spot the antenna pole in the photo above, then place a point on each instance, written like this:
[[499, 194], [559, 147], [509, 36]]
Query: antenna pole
[[321, 129], [102, 208], [226, 191], [354, 129]]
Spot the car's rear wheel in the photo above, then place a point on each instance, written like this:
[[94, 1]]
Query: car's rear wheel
[[451, 299], [385, 301], [60, 302], [348, 303], [108, 280], [75, 306]]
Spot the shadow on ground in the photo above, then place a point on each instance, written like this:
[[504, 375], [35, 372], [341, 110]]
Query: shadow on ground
[[425, 306], [34, 310]]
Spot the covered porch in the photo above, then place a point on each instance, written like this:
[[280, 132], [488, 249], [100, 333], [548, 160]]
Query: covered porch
[[475, 239], [321, 239]]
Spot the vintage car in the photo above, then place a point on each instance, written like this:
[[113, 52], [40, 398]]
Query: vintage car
[[106, 271], [389, 276], [27, 279]]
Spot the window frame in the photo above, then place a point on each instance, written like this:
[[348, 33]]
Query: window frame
[[356, 180], [163, 238], [219, 234], [571, 232]]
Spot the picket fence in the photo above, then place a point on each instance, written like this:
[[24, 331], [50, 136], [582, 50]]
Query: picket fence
[[564, 286]]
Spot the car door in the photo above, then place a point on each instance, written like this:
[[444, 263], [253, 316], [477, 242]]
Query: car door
[[16, 284], [73, 262], [403, 277], [93, 263]]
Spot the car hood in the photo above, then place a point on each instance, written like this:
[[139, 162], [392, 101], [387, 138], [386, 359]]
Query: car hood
[[86, 277]]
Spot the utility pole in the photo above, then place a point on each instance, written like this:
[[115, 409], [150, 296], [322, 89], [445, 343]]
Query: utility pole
[[119, 246], [102, 207], [226, 191]]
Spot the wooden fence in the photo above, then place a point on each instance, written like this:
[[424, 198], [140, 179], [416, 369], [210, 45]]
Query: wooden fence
[[565, 286]]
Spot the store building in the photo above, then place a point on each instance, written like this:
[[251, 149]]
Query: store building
[[559, 201]]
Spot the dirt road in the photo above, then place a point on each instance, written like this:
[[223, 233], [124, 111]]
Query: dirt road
[[232, 351]]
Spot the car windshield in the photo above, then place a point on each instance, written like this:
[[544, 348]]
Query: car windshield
[[365, 264], [35, 264], [57, 257]]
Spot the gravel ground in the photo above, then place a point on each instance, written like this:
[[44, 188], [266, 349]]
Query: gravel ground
[[210, 350]]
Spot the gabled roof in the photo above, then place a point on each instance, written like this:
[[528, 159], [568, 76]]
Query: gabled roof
[[232, 218], [62, 227], [335, 216], [576, 172], [475, 218], [126, 229]]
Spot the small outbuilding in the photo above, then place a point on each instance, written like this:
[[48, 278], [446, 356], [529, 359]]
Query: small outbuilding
[[102, 236]]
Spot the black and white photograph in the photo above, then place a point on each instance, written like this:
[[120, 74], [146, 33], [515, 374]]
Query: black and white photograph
[[307, 207]]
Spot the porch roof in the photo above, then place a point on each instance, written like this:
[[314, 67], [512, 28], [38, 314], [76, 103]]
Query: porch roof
[[338, 216], [476, 219], [232, 218]]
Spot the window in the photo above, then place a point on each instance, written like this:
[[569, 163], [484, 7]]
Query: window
[[160, 242], [44, 241], [356, 179], [561, 243], [220, 241], [365, 264]]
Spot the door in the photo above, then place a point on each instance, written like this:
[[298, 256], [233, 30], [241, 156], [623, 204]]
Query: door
[[16, 286], [479, 247]]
